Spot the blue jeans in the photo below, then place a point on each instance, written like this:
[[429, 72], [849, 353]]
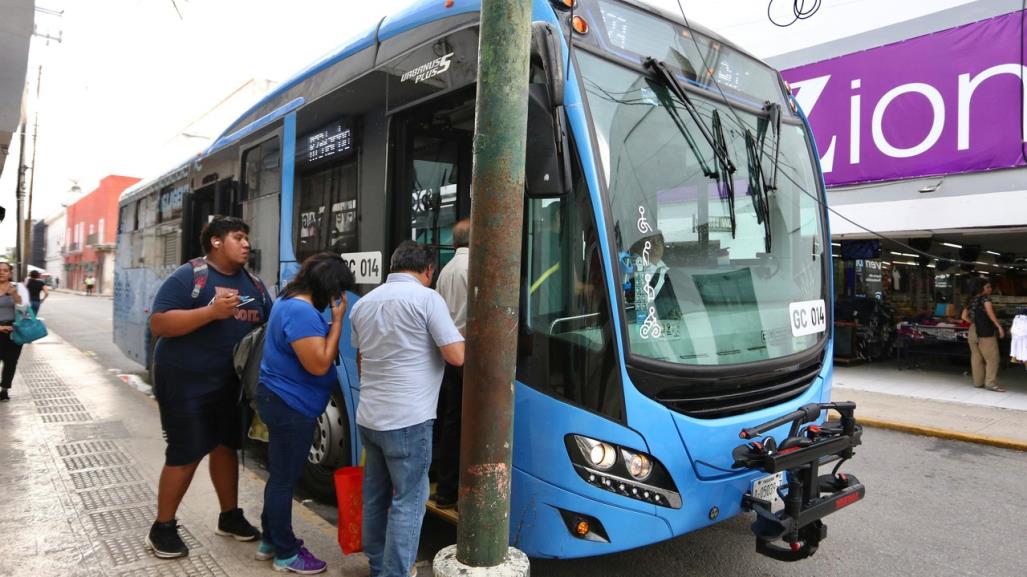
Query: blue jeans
[[395, 494], [35, 306], [290, 434]]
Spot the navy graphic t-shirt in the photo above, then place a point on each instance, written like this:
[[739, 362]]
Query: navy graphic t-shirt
[[208, 349]]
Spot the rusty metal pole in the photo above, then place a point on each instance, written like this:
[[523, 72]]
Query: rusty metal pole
[[497, 184]]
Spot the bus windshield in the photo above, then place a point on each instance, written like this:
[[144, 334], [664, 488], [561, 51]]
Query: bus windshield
[[712, 261], [633, 34]]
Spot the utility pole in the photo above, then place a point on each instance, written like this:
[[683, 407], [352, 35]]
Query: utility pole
[[497, 183], [25, 254], [26, 257], [20, 209]]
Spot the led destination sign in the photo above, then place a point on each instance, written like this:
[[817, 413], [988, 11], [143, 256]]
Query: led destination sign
[[333, 140]]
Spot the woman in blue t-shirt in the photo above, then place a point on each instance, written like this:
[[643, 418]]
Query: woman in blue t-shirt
[[296, 381]]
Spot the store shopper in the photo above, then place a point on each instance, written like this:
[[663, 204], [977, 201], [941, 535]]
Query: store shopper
[[985, 331], [12, 296]]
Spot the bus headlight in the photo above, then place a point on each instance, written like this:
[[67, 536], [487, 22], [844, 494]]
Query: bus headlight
[[630, 473], [601, 455], [639, 466]]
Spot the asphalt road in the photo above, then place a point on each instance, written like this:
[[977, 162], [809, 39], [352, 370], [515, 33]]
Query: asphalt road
[[934, 507], [86, 322]]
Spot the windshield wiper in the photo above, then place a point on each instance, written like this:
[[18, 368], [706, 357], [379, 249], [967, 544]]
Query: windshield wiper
[[714, 135], [760, 181], [664, 74], [726, 169]]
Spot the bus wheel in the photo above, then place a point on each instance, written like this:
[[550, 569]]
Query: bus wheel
[[329, 451]]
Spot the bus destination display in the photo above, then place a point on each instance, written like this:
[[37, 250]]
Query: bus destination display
[[332, 140]]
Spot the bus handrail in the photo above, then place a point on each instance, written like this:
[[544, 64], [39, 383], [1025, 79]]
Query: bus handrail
[[552, 326]]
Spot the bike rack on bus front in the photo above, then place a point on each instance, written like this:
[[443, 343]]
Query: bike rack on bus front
[[810, 496]]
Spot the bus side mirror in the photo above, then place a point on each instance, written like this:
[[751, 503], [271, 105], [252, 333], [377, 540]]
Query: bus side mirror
[[545, 48], [547, 160], [543, 167]]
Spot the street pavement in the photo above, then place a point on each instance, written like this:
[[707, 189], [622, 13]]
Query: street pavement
[[935, 506], [79, 463]]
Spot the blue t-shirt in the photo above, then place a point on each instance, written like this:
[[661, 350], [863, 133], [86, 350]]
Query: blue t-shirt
[[208, 349], [280, 369]]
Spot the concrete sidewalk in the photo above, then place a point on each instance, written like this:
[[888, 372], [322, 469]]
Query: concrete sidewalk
[[79, 463], [937, 400]]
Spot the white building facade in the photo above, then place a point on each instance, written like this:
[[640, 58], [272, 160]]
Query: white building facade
[[55, 246]]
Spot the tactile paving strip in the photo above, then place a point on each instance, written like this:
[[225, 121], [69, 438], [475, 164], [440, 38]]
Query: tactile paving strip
[[95, 461], [55, 393], [118, 520], [192, 566], [117, 496], [67, 418], [70, 407], [38, 390], [87, 447], [96, 478], [63, 400], [131, 548], [40, 373]]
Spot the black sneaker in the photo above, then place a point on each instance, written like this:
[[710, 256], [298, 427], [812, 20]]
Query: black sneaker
[[3, 395], [233, 523], [165, 542]]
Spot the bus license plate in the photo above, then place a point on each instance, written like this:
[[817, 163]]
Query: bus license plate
[[765, 489]]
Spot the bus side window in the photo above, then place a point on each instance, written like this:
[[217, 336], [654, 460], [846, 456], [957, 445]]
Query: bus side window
[[326, 211], [566, 346]]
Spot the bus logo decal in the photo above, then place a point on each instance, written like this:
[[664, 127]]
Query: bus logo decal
[[429, 70]]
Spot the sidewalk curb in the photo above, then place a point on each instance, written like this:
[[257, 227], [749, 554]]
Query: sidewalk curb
[[944, 434]]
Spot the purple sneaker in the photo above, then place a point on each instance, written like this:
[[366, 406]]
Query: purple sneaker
[[303, 563]]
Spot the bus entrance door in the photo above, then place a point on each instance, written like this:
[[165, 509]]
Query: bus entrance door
[[432, 182]]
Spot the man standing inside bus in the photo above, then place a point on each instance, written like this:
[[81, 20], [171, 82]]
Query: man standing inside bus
[[404, 336], [452, 286]]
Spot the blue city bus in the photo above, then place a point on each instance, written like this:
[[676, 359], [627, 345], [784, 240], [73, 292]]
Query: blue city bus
[[675, 345]]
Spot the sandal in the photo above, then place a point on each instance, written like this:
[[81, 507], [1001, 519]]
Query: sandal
[[996, 389]]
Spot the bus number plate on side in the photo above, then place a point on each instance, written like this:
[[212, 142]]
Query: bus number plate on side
[[365, 266], [807, 317], [765, 489]]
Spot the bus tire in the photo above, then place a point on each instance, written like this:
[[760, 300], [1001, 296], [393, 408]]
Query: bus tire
[[329, 451]]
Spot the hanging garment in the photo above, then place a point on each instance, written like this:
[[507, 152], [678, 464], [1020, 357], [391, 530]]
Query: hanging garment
[[1018, 347]]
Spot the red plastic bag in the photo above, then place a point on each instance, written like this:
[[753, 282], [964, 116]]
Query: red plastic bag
[[349, 492]]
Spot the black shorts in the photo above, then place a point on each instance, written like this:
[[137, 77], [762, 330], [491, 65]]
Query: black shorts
[[198, 412]]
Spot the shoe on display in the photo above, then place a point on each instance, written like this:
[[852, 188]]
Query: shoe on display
[[234, 524], [164, 541], [302, 563]]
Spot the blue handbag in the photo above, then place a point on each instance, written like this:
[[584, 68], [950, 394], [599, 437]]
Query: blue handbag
[[27, 327]]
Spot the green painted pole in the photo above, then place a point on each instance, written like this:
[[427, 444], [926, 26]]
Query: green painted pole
[[497, 184]]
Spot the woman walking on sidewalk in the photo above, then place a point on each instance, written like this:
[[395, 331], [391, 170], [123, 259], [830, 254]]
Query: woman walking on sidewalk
[[12, 296], [200, 312], [296, 380], [984, 325]]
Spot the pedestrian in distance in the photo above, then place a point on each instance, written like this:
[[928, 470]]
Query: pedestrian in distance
[[13, 296], [984, 334], [296, 381], [199, 314], [38, 291], [90, 282], [404, 336], [452, 286]]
